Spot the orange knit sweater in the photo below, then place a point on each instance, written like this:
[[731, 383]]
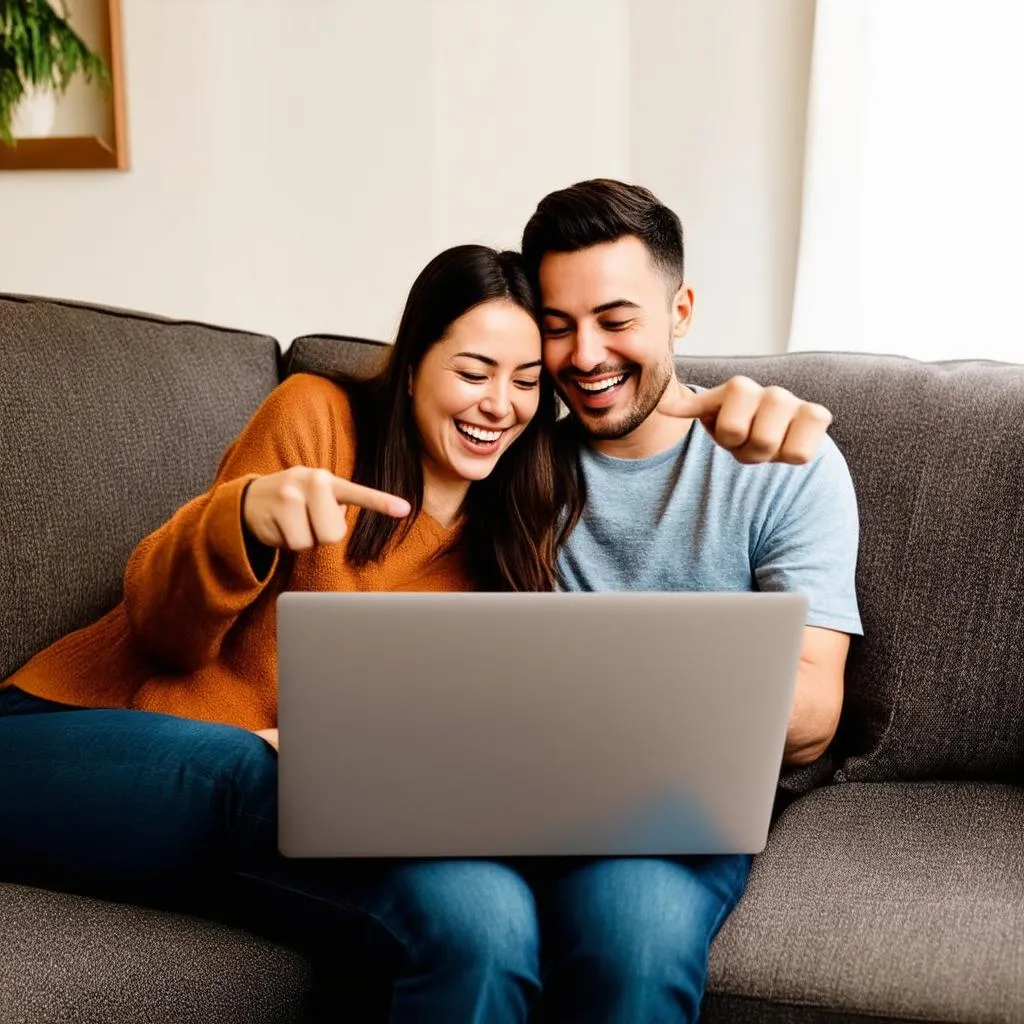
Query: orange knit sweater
[[195, 633]]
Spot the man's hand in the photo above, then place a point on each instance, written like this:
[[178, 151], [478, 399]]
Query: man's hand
[[756, 424], [270, 735], [299, 508]]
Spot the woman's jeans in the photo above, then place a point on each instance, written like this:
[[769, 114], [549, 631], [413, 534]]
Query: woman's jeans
[[171, 812]]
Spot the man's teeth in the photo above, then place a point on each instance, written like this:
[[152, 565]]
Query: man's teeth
[[601, 385], [483, 436]]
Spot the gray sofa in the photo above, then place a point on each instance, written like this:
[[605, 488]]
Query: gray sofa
[[892, 886]]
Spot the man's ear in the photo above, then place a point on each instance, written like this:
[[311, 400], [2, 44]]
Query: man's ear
[[682, 311]]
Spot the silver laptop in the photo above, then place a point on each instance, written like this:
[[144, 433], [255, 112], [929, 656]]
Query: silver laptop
[[498, 725]]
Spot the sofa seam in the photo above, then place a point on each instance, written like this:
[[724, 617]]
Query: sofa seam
[[130, 314], [798, 1004]]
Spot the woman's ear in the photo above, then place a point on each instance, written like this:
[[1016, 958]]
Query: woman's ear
[[410, 382]]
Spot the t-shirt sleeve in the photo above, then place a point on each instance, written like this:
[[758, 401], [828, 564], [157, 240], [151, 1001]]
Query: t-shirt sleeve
[[809, 541]]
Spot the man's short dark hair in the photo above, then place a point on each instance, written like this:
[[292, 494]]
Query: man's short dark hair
[[604, 210]]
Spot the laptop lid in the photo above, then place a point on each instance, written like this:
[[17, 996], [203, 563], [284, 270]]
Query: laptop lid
[[497, 725]]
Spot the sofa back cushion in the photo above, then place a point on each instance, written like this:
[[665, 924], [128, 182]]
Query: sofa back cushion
[[335, 353], [935, 689], [109, 421]]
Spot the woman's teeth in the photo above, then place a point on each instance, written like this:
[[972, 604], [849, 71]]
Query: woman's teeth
[[478, 434], [596, 387]]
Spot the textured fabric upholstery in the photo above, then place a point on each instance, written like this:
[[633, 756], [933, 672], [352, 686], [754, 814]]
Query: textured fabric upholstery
[[72, 960], [897, 901], [317, 353], [936, 687], [109, 421]]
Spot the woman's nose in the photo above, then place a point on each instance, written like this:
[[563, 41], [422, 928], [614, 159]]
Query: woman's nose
[[496, 402]]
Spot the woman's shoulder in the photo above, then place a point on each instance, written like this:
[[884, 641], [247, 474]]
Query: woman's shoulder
[[300, 388], [308, 419], [314, 399]]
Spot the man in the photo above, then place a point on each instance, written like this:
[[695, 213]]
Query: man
[[671, 506]]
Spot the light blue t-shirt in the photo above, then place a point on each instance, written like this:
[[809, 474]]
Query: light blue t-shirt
[[693, 518]]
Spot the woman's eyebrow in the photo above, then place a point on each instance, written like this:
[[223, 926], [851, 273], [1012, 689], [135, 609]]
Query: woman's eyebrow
[[492, 362]]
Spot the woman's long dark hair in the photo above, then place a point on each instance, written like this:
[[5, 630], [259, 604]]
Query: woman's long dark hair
[[514, 520]]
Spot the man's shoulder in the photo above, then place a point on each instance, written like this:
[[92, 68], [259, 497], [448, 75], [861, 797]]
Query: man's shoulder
[[765, 496]]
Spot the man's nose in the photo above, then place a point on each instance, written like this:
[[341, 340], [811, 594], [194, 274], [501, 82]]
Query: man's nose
[[588, 350]]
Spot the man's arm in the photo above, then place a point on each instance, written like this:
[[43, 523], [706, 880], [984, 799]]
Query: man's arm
[[808, 544], [818, 699]]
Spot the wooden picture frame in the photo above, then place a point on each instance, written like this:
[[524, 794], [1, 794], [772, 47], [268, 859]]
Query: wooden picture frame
[[102, 144]]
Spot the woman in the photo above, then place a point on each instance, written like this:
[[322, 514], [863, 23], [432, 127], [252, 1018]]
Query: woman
[[444, 473]]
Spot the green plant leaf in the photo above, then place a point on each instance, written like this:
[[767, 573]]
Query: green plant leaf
[[38, 46]]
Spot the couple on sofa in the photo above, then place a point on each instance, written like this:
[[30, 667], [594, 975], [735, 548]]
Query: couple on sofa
[[137, 755]]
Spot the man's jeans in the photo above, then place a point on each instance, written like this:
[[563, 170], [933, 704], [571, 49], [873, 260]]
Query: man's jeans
[[164, 811]]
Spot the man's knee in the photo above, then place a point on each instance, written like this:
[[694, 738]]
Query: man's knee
[[469, 916], [637, 932], [640, 913]]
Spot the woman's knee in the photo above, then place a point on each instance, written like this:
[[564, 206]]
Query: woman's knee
[[234, 758], [230, 776], [117, 797]]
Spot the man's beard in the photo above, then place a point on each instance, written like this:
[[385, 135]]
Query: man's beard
[[651, 384]]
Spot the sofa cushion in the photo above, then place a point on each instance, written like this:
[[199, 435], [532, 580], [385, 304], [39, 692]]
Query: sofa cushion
[[76, 960], [884, 902], [935, 687], [109, 421], [339, 353]]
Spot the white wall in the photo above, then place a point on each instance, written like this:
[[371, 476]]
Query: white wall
[[293, 175], [719, 99]]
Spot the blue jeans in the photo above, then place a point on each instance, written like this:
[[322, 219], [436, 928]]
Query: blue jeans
[[173, 812]]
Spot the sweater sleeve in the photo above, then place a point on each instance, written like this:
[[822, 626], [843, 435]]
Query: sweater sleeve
[[187, 583]]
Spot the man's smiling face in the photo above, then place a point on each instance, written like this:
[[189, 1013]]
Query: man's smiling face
[[610, 318]]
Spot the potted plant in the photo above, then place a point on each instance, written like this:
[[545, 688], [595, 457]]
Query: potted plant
[[40, 53]]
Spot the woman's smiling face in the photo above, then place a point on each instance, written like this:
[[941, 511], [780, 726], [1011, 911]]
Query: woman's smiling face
[[476, 390]]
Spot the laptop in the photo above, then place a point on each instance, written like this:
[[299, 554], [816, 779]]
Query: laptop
[[516, 725]]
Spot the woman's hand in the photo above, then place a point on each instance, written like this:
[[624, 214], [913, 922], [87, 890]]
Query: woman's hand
[[299, 508], [270, 735]]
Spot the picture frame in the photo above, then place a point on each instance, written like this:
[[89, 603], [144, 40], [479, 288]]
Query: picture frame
[[90, 130]]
